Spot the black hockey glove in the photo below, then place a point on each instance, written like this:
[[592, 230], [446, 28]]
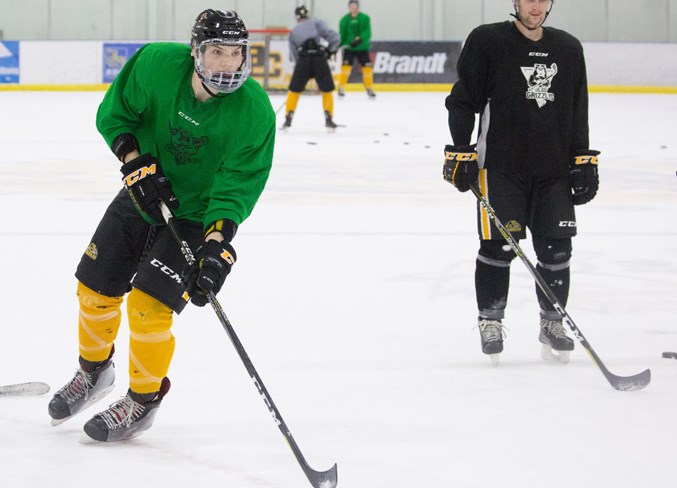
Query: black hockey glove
[[356, 42], [583, 176], [147, 184], [213, 261], [327, 53], [460, 166]]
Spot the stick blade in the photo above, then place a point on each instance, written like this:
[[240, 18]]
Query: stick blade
[[322, 479], [630, 383], [30, 388]]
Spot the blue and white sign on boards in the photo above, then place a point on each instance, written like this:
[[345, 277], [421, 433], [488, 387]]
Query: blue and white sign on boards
[[115, 55], [9, 61]]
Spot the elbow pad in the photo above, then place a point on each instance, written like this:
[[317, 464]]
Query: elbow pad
[[124, 144]]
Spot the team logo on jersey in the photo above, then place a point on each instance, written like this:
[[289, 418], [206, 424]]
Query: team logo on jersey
[[184, 145], [539, 77], [92, 251], [513, 226]]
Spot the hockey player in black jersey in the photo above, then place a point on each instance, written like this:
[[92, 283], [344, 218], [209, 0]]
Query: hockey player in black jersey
[[531, 161]]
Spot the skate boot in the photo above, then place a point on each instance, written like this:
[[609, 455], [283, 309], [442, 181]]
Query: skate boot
[[556, 344], [341, 92], [371, 94], [491, 335], [128, 417], [287, 120], [329, 122], [92, 382]]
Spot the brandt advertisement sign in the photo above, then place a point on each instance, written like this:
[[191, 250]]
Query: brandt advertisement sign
[[413, 62]]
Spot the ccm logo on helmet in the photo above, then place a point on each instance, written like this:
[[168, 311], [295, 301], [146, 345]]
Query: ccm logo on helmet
[[139, 174]]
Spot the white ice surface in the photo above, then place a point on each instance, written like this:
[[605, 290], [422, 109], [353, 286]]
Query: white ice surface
[[353, 295]]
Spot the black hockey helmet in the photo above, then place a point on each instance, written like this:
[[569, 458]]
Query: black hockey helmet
[[301, 12], [217, 24], [221, 28]]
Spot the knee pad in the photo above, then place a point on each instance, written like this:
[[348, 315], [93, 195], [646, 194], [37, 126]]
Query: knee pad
[[496, 253], [553, 254]]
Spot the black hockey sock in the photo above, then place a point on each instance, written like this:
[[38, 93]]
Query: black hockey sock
[[558, 281], [491, 288]]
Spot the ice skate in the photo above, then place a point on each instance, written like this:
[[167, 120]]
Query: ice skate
[[329, 122], [90, 384], [341, 92], [556, 344], [287, 120], [128, 417], [371, 94], [491, 335]]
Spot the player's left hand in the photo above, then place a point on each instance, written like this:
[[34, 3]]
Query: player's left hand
[[213, 262], [356, 42], [583, 176]]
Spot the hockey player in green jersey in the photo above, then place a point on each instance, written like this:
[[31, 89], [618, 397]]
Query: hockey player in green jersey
[[355, 31], [191, 129]]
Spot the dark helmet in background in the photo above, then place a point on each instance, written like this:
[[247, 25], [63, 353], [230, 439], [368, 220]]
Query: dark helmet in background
[[223, 28], [301, 12]]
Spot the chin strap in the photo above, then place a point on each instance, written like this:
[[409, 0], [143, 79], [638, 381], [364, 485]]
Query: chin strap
[[539, 25], [212, 94]]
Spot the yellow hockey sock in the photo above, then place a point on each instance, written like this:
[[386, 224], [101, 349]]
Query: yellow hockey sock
[[151, 343], [292, 101], [98, 323], [328, 102], [345, 74], [368, 76]]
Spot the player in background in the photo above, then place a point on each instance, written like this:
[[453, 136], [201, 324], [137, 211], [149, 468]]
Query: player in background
[[191, 129], [311, 44], [529, 85], [355, 30]]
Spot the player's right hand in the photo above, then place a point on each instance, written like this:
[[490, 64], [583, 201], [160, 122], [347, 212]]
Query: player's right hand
[[147, 185], [460, 166]]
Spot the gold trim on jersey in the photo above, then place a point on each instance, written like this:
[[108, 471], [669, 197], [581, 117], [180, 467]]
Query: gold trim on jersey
[[485, 221]]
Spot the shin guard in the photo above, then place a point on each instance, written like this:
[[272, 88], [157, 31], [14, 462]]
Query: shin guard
[[345, 74], [292, 101], [151, 343], [98, 324], [368, 76], [328, 102]]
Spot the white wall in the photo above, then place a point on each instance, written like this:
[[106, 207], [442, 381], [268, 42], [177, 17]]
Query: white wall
[[589, 20]]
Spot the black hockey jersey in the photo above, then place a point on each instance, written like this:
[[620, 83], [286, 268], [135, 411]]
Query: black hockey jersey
[[532, 97]]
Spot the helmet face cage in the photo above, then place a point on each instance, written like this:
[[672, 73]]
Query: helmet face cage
[[224, 81]]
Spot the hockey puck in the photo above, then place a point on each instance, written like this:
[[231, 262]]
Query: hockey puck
[[670, 355], [312, 143]]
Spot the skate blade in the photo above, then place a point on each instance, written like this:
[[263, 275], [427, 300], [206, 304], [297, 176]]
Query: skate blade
[[331, 130], [494, 359], [549, 354]]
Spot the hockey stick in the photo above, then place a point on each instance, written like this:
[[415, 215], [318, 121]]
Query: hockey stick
[[31, 388], [280, 107], [319, 479], [622, 383]]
